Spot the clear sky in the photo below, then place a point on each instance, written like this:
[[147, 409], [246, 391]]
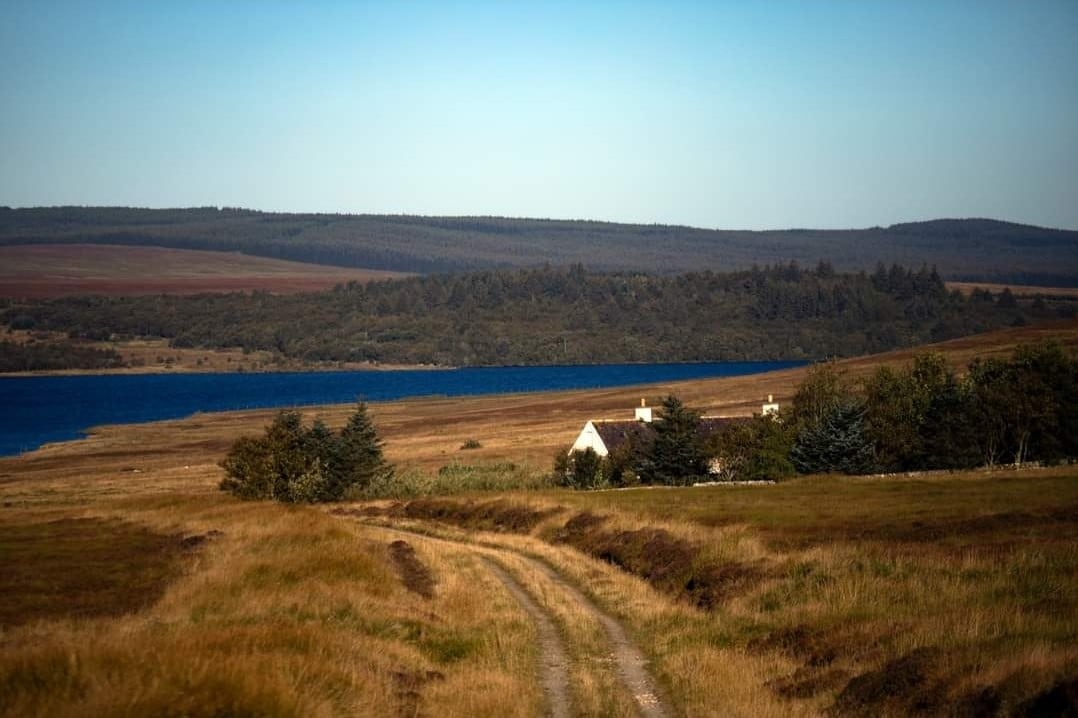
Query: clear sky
[[837, 113]]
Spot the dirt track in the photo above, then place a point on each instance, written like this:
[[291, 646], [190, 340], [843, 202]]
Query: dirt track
[[552, 658], [630, 662]]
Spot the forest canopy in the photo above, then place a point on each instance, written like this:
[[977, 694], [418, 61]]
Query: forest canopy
[[560, 316]]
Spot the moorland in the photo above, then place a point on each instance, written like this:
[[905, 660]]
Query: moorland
[[38, 271], [940, 593]]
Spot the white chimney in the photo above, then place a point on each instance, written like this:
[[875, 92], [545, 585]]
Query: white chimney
[[770, 408], [643, 412]]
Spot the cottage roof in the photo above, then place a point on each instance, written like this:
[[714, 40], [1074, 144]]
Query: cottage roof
[[616, 433]]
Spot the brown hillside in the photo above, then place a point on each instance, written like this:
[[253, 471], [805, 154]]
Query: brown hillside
[[45, 271]]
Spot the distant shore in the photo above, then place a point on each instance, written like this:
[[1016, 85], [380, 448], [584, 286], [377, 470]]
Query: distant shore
[[300, 368]]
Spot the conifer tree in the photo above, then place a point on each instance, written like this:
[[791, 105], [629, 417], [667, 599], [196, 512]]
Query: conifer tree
[[296, 465], [836, 444], [677, 456], [359, 455]]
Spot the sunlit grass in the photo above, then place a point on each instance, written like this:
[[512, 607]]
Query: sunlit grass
[[287, 612]]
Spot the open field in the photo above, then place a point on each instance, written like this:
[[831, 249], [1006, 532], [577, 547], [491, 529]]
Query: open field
[[1019, 290], [45, 271], [944, 594]]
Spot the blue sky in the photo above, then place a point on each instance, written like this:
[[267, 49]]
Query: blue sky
[[844, 113]]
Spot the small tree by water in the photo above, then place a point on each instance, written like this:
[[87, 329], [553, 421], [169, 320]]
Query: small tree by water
[[294, 464]]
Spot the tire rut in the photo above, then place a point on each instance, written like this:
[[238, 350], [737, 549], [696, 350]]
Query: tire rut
[[632, 665], [553, 658], [631, 662]]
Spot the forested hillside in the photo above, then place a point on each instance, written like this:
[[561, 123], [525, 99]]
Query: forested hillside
[[561, 315], [973, 249]]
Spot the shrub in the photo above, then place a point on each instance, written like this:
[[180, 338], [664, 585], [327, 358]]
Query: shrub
[[582, 470], [454, 479], [471, 444]]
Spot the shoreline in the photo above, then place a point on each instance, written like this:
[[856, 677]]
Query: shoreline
[[308, 369], [165, 370], [533, 423]]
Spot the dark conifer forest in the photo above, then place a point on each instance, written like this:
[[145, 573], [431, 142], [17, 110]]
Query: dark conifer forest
[[561, 315]]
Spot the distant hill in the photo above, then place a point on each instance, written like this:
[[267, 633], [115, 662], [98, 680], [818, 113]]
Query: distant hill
[[39, 271], [981, 250]]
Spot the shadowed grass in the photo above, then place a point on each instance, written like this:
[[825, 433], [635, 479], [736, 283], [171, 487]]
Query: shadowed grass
[[83, 567]]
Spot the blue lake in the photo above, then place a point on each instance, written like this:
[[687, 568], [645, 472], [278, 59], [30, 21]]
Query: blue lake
[[37, 410]]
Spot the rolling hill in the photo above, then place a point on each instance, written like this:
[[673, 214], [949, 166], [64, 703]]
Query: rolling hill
[[981, 250], [39, 271]]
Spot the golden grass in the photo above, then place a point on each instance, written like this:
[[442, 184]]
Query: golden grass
[[292, 612], [998, 615], [289, 612]]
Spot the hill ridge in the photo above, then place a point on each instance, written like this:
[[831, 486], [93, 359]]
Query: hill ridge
[[971, 249]]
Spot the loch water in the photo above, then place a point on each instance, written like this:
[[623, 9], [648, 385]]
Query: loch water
[[40, 409]]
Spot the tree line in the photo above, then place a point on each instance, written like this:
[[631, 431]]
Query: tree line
[[51, 356], [920, 417], [565, 315]]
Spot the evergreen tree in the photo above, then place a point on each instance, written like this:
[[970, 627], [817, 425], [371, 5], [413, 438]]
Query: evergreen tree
[[836, 444], [359, 455], [677, 456]]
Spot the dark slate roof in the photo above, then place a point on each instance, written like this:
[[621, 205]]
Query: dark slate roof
[[616, 433]]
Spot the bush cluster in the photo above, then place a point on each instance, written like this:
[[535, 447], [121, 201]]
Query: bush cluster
[[295, 464], [920, 417], [924, 416]]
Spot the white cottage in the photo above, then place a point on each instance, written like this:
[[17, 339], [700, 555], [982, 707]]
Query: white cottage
[[605, 436]]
